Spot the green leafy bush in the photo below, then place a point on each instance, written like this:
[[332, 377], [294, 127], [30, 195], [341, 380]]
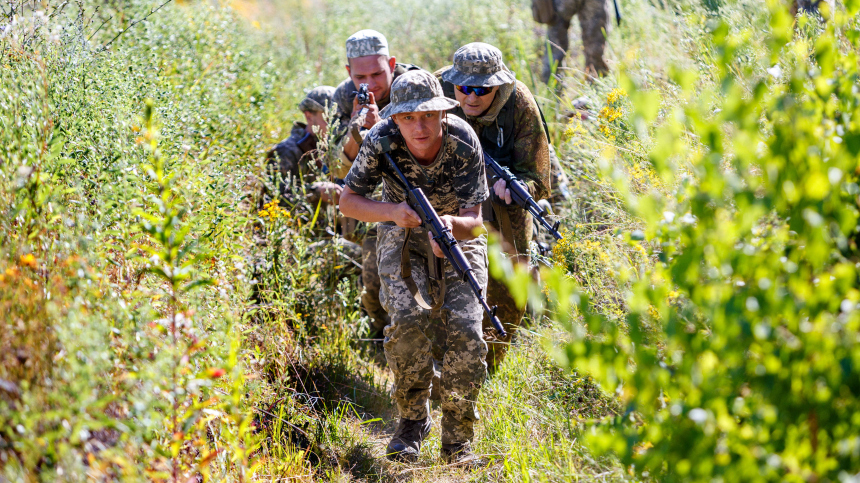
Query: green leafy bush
[[755, 376]]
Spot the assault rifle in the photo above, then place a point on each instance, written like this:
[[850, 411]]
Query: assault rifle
[[430, 220], [520, 195], [363, 97]]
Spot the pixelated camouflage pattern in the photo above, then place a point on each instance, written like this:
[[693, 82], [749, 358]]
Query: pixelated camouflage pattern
[[366, 42], [417, 91], [479, 64], [319, 99], [456, 179], [408, 344], [370, 280], [344, 93], [594, 22]]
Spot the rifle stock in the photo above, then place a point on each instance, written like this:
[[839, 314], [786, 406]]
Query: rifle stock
[[520, 195], [430, 220]]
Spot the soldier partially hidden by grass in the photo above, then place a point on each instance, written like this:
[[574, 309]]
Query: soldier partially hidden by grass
[[594, 21], [441, 155], [292, 161]]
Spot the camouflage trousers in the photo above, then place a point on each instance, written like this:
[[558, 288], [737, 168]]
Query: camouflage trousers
[[410, 335], [594, 21], [370, 279], [515, 244]]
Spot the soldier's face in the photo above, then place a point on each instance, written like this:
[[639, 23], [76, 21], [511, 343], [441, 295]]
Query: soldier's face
[[377, 71], [472, 104], [422, 131], [316, 119]]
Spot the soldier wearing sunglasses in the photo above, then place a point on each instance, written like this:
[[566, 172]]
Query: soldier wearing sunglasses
[[510, 126]]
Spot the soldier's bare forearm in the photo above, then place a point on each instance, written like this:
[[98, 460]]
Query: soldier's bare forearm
[[357, 206], [468, 224]]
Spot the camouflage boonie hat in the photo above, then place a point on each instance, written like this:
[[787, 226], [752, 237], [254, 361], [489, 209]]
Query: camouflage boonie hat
[[417, 91], [480, 65], [318, 99], [366, 42]]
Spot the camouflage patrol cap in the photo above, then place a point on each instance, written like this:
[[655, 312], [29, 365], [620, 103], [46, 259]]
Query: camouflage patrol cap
[[478, 64], [318, 99], [417, 91], [366, 42]]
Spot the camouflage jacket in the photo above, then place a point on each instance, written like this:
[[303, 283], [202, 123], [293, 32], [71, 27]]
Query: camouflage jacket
[[291, 163], [455, 180], [512, 131]]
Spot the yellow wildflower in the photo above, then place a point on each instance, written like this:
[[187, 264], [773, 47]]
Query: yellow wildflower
[[616, 95], [28, 260]]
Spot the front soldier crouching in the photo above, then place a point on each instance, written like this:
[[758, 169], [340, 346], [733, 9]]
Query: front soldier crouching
[[441, 155]]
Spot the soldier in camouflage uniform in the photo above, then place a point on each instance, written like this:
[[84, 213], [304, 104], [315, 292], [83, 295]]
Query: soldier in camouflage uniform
[[594, 20], [297, 169], [292, 161], [368, 62], [510, 126], [441, 155]]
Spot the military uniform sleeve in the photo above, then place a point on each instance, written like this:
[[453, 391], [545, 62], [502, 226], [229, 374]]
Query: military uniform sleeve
[[470, 180], [364, 175], [438, 73], [531, 147]]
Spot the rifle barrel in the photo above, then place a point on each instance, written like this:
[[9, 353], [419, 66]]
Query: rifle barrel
[[521, 196]]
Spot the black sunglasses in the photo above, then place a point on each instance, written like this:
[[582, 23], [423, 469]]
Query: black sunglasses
[[479, 91]]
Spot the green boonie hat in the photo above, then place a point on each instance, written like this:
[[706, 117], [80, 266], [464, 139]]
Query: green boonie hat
[[318, 99], [479, 65], [417, 91], [366, 42]]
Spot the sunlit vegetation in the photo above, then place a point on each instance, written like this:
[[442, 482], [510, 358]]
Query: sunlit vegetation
[[161, 322]]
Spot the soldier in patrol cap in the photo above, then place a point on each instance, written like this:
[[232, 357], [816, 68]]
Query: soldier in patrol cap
[[510, 125], [368, 62], [442, 155], [297, 169], [291, 162]]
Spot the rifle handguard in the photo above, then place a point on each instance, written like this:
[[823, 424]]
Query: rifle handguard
[[520, 195]]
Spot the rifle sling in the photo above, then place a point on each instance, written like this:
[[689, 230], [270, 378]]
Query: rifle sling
[[406, 274]]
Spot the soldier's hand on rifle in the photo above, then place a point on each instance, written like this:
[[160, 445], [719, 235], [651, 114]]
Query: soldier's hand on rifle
[[404, 216], [502, 191], [371, 117], [447, 220]]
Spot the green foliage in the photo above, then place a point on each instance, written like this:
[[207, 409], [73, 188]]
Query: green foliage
[[117, 368], [755, 377]]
